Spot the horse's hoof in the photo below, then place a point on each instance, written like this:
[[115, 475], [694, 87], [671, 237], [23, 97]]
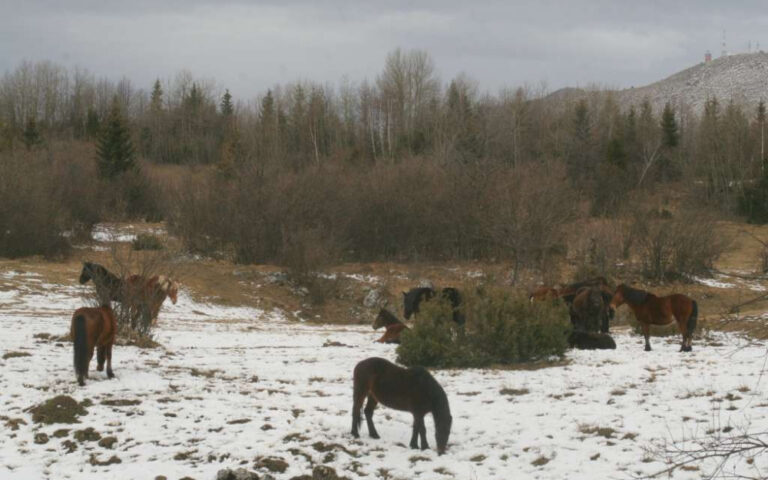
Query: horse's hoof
[[355, 434], [375, 436], [110, 375], [647, 348], [414, 446], [100, 369]]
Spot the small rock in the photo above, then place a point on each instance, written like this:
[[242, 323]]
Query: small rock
[[161, 477], [87, 435], [41, 438], [61, 433], [239, 474], [273, 464], [374, 298], [69, 446], [108, 442]]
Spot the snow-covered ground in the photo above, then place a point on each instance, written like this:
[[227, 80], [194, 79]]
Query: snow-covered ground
[[234, 384]]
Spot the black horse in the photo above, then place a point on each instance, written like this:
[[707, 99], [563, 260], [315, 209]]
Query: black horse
[[413, 298], [412, 389], [590, 310], [109, 286]]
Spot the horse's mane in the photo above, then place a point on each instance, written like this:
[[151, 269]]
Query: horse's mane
[[633, 295], [389, 317]]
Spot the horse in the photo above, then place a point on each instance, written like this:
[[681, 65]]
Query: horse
[[109, 286], [147, 295], [652, 310], [392, 325], [413, 298], [589, 309], [93, 327], [568, 292], [412, 389], [590, 341]]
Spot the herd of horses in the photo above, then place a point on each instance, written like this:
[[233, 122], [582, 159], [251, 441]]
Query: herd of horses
[[591, 303], [95, 328]]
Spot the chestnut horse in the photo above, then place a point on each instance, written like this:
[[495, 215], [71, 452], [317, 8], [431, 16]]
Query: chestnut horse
[[148, 294], [93, 327], [393, 326], [652, 310], [412, 389]]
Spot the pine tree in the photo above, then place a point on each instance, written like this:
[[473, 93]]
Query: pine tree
[[115, 152], [156, 100], [670, 135], [227, 109], [31, 135], [92, 123]]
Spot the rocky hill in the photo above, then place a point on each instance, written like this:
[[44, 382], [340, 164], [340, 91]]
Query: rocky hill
[[742, 78]]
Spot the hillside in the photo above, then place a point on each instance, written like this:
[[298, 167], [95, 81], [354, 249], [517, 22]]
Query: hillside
[[741, 78]]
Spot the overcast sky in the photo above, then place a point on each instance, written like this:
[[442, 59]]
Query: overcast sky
[[248, 46]]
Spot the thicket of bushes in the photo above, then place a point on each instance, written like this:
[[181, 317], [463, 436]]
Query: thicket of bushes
[[51, 196], [501, 328], [415, 211]]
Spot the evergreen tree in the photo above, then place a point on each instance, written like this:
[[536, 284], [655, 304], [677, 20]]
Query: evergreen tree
[[92, 123], [115, 153], [156, 100], [227, 109], [761, 126], [31, 135], [670, 135]]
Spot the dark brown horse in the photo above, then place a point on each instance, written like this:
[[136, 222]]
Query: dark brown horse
[[109, 286], [590, 310], [413, 298], [652, 310], [93, 328], [393, 326], [412, 390]]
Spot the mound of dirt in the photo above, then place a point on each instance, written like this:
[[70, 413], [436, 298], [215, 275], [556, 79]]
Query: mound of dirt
[[59, 409]]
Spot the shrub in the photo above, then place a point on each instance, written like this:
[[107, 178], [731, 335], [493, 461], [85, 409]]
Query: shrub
[[678, 247], [147, 242], [501, 328]]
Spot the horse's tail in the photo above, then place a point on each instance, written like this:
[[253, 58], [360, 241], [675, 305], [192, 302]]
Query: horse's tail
[[81, 346], [692, 319]]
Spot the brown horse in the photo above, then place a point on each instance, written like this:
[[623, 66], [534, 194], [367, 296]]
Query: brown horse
[[93, 327], [393, 326], [652, 310], [567, 292], [146, 295], [412, 389]]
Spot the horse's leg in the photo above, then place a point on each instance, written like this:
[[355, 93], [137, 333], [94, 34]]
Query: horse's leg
[[423, 433], [90, 357], [646, 334], [415, 433], [108, 352], [357, 403], [681, 329], [100, 358], [369, 407]]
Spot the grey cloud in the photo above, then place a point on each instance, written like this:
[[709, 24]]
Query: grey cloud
[[249, 46]]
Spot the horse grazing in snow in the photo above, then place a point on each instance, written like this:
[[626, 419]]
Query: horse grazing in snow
[[412, 389]]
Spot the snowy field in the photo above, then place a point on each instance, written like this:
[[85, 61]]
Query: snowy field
[[231, 385]]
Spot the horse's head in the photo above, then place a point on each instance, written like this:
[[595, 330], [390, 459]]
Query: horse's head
[[443, 421], [169, 287], [85, 273], [618, 297]]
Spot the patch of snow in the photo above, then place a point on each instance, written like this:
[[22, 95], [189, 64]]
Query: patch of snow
[[221, 366], [710, 282]]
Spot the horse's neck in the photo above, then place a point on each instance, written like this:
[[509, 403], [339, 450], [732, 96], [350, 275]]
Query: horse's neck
[[391, 320]]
